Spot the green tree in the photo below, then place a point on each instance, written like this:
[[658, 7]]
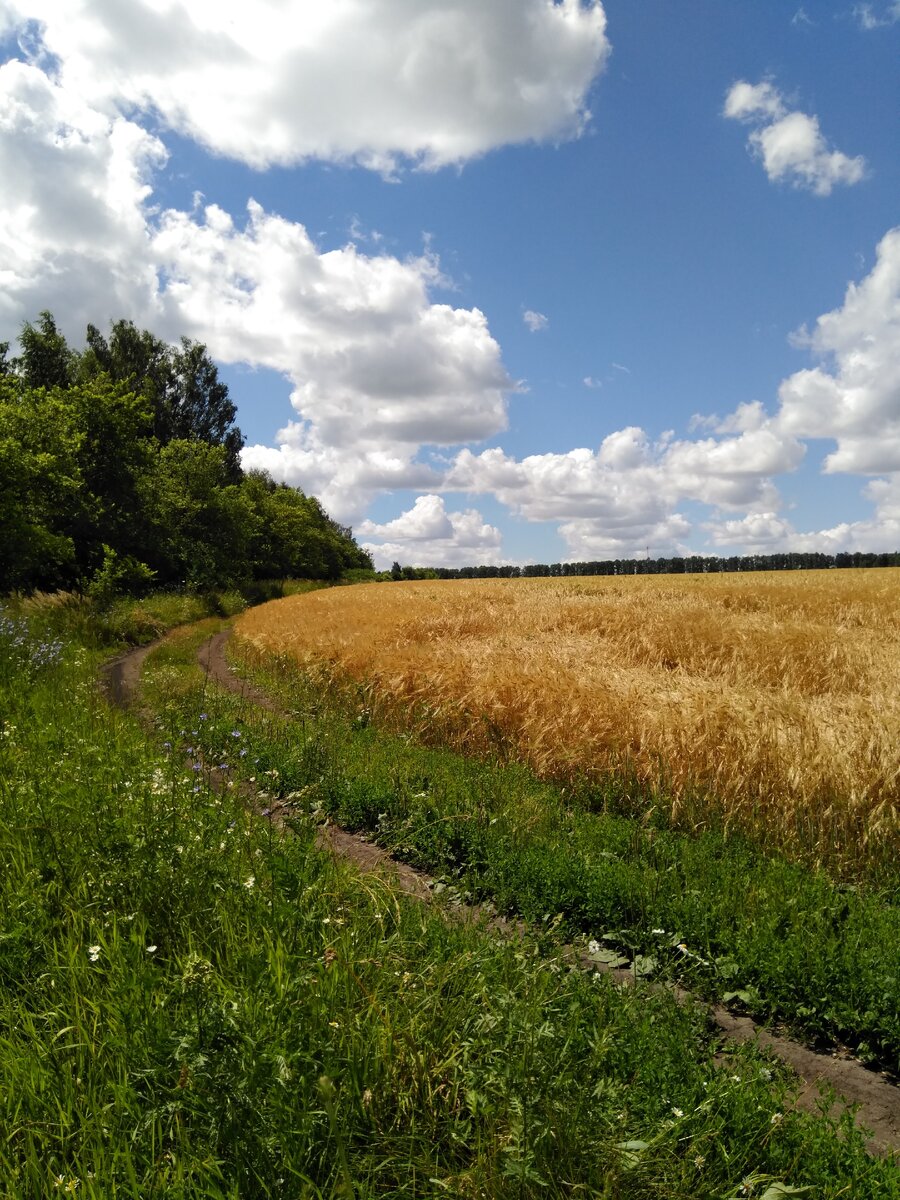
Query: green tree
[[189, 401], [39, 479], [46, 360], [202, 521]]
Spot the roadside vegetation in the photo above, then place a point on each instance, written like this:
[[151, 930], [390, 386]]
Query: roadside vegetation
[[196, 1005]]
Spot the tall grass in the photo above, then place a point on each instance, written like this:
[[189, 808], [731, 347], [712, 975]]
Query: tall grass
[[764, 703]]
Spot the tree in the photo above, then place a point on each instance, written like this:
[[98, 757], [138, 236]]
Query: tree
[[46, 360], [202, 522], [189, 401], [39, 479]]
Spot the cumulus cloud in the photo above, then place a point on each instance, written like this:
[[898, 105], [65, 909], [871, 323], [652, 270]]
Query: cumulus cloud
[[853, 397], [427, 535], [535, 321], [73, 188], [765, 533], [377, 82], [626, 494], [790, 143]]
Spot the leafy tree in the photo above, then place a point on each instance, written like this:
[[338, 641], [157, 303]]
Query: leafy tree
[[39, 479], [201, 520], [46, 360], [189, 401]]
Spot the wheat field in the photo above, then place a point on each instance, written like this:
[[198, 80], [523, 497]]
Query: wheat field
[[768, 701]]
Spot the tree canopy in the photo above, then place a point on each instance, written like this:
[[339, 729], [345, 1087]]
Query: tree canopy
[[127, 452]]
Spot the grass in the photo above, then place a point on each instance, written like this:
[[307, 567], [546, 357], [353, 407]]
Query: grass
[[195, 1006], [131, 621], [764, 703]]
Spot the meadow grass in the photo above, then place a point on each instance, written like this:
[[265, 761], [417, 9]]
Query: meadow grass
[[715, 911], [765, 703], [193, 1004]]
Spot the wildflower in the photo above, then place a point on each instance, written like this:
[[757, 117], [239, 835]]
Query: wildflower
[[203, 717], [167, 745], [699, 1161], [249, 882], [151, 949], [93, 953], [235, 733], [335, 1024], [657, 931], [593, 946], [367, 1097], [776, 1118], [678, 1112]]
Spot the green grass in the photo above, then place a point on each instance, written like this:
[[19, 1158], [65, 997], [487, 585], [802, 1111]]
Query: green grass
[[727, 919], [130, 621], [193, 1005]]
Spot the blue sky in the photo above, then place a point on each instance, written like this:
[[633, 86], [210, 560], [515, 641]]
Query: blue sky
[[521, 282]]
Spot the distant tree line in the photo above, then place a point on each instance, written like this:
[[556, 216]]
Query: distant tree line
[[120, 468], [695, 565]]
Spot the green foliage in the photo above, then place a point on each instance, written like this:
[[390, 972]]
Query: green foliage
[[46, 360], [117, 576], [127, 453], [194, 1005]]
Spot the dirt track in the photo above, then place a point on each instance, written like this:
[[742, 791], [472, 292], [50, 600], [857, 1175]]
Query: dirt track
[[877, 1099]]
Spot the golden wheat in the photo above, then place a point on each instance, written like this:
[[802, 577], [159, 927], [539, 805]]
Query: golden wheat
[[767, 701]]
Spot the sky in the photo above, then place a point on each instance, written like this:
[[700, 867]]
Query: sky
[[500, 282]]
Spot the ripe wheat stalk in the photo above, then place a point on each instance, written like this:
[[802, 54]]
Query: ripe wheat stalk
[[767, 702]]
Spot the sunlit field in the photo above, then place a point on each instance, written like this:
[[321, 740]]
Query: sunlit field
[[764, 702]]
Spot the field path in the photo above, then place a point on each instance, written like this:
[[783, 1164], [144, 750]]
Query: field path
[[872, 1094]]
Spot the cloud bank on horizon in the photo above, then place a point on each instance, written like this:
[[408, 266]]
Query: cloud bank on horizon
[[401, 394]]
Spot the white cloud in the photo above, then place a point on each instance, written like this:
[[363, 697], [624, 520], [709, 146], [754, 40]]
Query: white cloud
[[377, 82], [767, 532], [73, 188], [868, 18], [757, 533], [854, 398], [590, 382], [626, 494], [535, 321], [790, 144], [591, 541], [429, 536]]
